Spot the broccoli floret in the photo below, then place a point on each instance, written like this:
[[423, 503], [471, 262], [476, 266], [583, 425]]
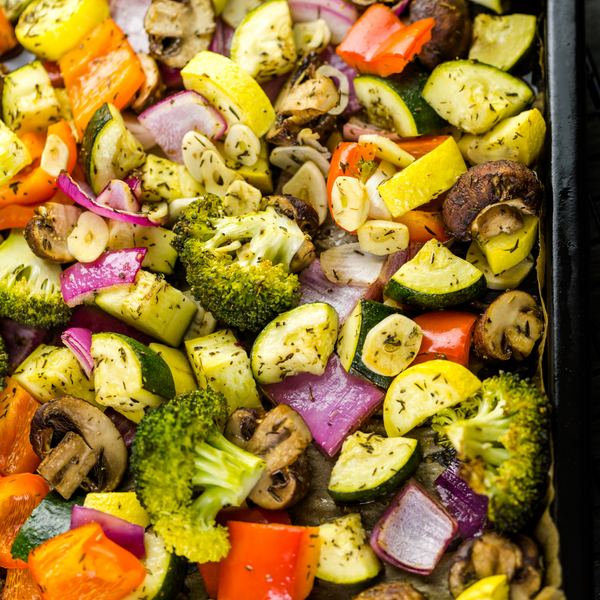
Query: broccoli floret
[[238, 267], [177, 450], [4, 364], [29, 286], [502, 434]]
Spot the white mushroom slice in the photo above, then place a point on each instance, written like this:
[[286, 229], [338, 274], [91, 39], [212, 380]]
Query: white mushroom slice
[[342, 84], [313, 35], [312, 98], [193, 146], [378, 208], [386, 149], [216, 175], [55, 156], [309, 184], [308, 137], [242, 145], [241, 198], [349, 203], [291, 158], [89, 238]]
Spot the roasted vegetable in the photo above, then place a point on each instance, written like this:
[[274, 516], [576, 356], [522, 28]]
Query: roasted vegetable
[[4, 363], [502, 433], [395, 590]]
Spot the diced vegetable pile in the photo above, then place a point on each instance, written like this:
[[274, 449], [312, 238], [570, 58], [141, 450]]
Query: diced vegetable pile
[[268, 302]]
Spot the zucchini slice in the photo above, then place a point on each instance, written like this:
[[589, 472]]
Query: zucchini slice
[[108, 148], [263, 43], [151, 306], [163, 179], [220, 361], [183, 376], [474, 96], [397, 104], [297, 341], [436, 279], [29, 104], [424, 390], [129, 376], [346, 556], [370, 466], [502, 41], [352, 337]]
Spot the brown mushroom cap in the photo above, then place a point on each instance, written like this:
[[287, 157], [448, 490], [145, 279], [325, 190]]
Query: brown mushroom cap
[[490, 183], [493, 554], [510, 326], [451, 35], [152, 89], [47, 232], [395, 590], [55, 419], [300, 211]]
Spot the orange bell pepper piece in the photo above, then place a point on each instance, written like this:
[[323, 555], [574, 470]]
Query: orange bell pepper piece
[[32, 185], [20, 586], [19, 495], [8, 39], [17, 408], [269, 561], [15, 215], [83, 564], [424, 226], [419, 147], [347, 160], [103, 68]]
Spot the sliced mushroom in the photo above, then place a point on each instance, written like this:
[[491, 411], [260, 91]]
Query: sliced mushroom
[[501, 181], [303, 257], [286, 131], [280, 438], [311, 98], [291, 158], [494, 219], [494, 554], [66, 433], [510, 326], [178, 30], [152, 89], [48, 231], [296, 209], [395, 590]]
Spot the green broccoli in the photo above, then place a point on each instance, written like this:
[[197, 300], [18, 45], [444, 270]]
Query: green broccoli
[[179, 448], [502, 434], [238, 267], [29, 286], [4, 364]]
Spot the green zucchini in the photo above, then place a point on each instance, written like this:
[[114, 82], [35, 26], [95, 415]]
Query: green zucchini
[[129, 376], [502, 41], [29, 104], [51, 517], [346, 556], [108, 148], [474, 96], [397, 103], [151, 306], [297, 341], [13, 154], [165, 180], [183, 376], [50, 372], [351, 338], [165, 572], [370, 466], [222, 363], [435, 279]]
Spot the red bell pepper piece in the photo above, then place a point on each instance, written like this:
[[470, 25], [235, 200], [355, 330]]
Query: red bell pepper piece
[[17, 408], [380, 44], [20, 586], [420, 146], [210, 570], [83, 564], [19, 495], [424, 226], [53, 70], [278, 562], [447, 335]]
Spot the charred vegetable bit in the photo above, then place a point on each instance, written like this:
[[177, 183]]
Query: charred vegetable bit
[[179, 447], [391, 591], [29, 286], [239, 267], [4, 363], [502, 434]]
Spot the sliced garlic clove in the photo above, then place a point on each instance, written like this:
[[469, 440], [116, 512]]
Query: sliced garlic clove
[[241, 198], [242, 145], [309, 184], [193, 146], [89, 238], [215, 173], [55, 156]]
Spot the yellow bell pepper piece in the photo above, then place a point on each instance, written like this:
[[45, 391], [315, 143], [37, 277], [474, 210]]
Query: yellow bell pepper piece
[[490, 588]]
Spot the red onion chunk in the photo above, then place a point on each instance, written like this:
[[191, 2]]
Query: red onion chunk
[[121, 195], [139, 132], [221, 40], [336, 62], [124, 426], [272, 87], [315, 287], [333, 405], [169, 121], [467, 507], [338, 15], [97, 321], [127, 535], [399, 8], [171, 76], [414, 531], [81, 281], [79, 341], [135, 184], [395, 261], [349, 264], [20, 340], [72, 189], [129, 16], [354, 128]]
